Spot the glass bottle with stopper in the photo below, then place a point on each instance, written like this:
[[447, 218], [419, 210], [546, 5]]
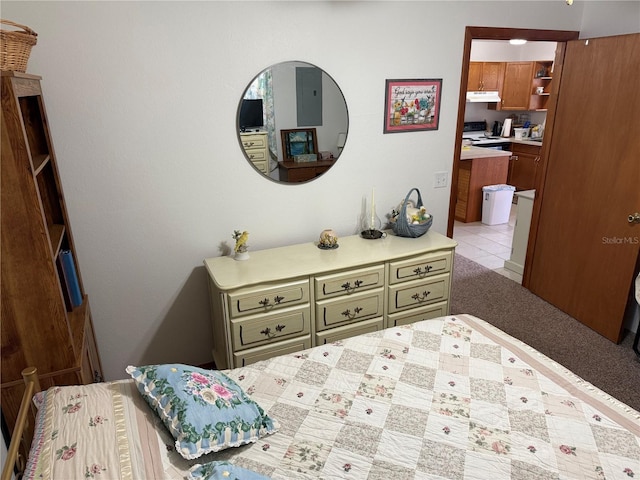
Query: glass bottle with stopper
[[371, 223]]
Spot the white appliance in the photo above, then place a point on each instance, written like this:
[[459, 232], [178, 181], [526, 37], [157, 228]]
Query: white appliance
[[483, 96], [521, 231], [476, 133]]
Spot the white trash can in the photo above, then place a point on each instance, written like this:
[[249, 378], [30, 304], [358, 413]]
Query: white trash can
[[496, 203]]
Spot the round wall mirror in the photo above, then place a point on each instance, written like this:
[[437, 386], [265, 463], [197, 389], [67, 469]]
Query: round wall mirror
[[292, 122]]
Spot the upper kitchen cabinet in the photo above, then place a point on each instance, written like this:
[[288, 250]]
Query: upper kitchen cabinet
[[485, 76], [516, 86], [541, 85]]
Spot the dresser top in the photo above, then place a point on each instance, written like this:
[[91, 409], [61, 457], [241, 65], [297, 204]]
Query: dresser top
[[307, 259]]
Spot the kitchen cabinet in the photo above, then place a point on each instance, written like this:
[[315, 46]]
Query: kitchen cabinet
[[524, 166], [291, 298], [516, 87], [479, 167], [485, 76], [542, 76]]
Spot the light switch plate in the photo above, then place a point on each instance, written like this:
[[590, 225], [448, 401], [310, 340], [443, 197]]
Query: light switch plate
[[440, 179]]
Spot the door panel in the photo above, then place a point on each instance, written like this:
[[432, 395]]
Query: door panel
[[586, 251]]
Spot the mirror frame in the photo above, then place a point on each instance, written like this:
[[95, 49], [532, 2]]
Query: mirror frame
[[286, 170]]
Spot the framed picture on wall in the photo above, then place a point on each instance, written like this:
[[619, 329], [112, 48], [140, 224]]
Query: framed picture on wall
[[412, 105], [299, 143]]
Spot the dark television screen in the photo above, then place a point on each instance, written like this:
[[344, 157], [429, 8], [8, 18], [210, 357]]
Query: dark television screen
[[251, 114]]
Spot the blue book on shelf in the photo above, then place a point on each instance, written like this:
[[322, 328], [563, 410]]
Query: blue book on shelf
[[71, 277]]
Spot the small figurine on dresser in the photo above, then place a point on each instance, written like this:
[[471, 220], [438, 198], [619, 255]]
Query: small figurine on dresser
[[241, 248], [328, 240]]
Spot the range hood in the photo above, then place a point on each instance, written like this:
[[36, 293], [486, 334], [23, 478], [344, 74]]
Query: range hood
[[483, 96]]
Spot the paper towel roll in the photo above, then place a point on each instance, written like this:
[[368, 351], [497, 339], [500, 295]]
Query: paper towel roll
[[506, 128]]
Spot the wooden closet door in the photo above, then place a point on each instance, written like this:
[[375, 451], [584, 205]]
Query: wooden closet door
[[585, 252]]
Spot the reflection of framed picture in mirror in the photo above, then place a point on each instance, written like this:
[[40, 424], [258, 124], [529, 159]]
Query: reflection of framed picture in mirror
[[298, 141]]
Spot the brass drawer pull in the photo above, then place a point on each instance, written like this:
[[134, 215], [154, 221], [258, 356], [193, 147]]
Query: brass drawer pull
[[356, 311], [347, 286], [419, 272], [421, 298], [267, 331], [266, 303]]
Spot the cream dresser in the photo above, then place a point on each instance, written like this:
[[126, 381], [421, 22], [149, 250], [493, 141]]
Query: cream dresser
[[255, 145], [286, 299]]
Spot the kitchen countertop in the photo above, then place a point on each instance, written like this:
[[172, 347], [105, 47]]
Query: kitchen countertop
[[474, 151], [479, 152], [526, 141]]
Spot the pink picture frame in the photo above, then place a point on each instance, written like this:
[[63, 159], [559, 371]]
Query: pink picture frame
[[412, 105]]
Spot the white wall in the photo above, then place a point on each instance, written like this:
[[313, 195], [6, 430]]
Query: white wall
[[610, 17], [142, 98]]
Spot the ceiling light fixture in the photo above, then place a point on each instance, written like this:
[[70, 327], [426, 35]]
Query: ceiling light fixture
[[517, 41]]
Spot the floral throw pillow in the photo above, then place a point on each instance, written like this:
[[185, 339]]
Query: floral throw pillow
[[223, 471], [204, 410]]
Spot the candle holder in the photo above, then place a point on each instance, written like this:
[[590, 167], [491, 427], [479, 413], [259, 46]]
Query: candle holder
[[371, 227]]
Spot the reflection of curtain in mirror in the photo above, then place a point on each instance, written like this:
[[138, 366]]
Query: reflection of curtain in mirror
[[262, 87]]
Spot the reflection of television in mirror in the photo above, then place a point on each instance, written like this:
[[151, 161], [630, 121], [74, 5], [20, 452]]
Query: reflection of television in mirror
[[251, 114]]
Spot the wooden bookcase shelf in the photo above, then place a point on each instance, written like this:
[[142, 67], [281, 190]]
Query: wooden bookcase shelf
[[43, 324]]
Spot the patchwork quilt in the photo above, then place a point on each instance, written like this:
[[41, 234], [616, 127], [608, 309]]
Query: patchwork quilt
[[448, 398]]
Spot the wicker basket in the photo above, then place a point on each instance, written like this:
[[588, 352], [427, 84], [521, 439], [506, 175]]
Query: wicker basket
[[403, 228], [15, 47]]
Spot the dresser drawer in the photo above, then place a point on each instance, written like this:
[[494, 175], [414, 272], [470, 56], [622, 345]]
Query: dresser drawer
[[253, 141], [262, 299], [420, 267], [253, 355], [257, 155], [418, 293], [258, 330], [417, 314], [262, 166], [349, 309], [340, 333], [346, 283]]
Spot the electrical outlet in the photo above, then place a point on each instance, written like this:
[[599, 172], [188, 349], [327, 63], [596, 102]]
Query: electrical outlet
[[440, 179]]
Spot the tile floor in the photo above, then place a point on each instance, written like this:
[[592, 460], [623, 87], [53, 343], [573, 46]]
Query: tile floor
[[488, 245]]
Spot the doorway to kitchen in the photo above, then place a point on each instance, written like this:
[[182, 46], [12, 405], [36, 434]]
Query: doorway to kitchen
[[490, 245]]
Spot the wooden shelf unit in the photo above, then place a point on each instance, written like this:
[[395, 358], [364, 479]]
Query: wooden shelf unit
[[542, 76], [43, 325]]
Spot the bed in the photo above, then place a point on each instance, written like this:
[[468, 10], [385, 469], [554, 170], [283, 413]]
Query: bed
[[452, 397]]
